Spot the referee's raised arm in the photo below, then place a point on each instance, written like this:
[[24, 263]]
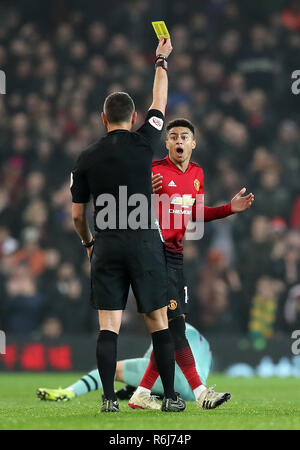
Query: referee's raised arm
[[160, 85]]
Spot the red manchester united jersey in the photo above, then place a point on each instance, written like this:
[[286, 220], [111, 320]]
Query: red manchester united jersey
[[184, 195], [181, 189]]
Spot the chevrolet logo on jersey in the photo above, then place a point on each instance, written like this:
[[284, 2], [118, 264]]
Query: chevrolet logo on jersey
[[185, 201]]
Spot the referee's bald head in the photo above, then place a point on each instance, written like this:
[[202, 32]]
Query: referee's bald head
[[118, 107]]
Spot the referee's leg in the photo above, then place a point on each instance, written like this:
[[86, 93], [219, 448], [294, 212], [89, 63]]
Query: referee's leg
[[110, 323], [163, 348]]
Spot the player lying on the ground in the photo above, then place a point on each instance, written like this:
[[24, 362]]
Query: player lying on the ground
[[182, 181], [130, 371]]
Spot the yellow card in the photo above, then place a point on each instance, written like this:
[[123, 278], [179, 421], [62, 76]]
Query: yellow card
[[160, 29]]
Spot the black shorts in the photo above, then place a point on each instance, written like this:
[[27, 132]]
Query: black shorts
[[177, 292], [128, 257]]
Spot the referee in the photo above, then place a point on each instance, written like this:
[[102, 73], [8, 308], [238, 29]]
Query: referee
[[122, 256]]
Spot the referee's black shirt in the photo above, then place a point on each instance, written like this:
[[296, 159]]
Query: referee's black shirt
[[120, 158]]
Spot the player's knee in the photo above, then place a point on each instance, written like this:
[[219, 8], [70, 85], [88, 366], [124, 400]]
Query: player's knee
[[177, 330], [156, 320]]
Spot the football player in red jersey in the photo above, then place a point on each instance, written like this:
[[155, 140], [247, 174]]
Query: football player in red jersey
[[183, 182]]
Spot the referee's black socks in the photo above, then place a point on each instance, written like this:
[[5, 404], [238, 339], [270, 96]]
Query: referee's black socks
[[107, 361], [163, 349]]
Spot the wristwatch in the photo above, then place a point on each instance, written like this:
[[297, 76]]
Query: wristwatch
[[162, 64], [89, 244]]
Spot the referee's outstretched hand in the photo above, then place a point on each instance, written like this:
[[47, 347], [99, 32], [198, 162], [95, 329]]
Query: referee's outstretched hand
[[164, 47], [239, 203]]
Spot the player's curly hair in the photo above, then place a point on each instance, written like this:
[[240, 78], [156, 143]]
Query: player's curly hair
[[180, 123]]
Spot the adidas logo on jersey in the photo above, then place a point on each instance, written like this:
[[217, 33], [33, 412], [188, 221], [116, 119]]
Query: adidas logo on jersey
[[172, 184]]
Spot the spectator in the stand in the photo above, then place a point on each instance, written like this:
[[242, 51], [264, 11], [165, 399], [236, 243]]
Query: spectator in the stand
[[287, 149], [216, 289], [258, 61], [292, 308], [291, 16], [254, 254], [264, 308], [25, 306], [285, 258], [272, 197], [30, 253], [48, 278], [73, 309], [52, 328]]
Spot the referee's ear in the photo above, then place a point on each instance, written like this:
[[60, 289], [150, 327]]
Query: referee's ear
[[133, 118], [104, 119]]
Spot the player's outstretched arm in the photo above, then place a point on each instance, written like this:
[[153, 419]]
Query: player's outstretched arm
[[160, 85], [240, 203]]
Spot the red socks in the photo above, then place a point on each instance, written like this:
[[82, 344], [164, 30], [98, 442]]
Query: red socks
[[151, 374], [185, 360]]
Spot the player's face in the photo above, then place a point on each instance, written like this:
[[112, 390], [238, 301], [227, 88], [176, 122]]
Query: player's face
[[180, 143]]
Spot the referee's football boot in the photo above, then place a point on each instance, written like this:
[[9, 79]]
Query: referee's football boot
[[109, 405], [209, 399], [170, 405], [143, 400], [55, 395]]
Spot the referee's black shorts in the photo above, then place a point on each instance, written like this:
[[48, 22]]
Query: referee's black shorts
[[128, 257]]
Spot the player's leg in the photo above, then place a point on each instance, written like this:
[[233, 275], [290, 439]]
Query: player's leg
[[177, 309], [92, 382], [149, 283], [163, 351], [177, 306], [184, 355], [87, 383], [205, 398], [184, 384], [130, 371]]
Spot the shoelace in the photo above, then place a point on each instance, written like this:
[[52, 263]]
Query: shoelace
[[151, 398], [211, 388]]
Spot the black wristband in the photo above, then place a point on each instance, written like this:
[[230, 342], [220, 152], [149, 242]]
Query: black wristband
[[89, 244], [161, 57]]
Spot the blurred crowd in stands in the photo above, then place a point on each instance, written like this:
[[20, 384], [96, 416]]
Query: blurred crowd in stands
[[230, 74]]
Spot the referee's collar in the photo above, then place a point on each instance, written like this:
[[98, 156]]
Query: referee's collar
[[118, 130]]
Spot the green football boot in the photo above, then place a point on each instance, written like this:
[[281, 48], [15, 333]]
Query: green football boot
[[55, 395]]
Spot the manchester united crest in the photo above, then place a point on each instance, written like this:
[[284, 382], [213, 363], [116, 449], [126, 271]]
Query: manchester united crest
[[197, 184], [172, 305]]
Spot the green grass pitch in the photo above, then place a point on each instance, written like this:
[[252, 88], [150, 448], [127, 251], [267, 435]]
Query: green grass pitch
[[256, 403]]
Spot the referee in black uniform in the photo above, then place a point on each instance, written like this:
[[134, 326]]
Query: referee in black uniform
[[122, 256]]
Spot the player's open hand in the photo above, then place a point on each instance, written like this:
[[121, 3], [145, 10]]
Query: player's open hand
[[156, 182], [164, 47], [240, 203]]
